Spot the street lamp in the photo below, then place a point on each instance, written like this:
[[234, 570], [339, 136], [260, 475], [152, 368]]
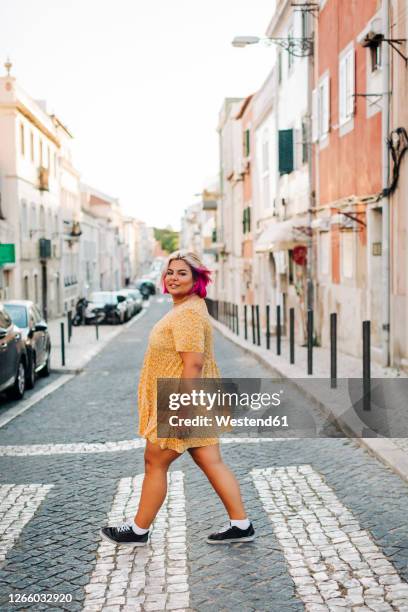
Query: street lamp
[[299, 47]]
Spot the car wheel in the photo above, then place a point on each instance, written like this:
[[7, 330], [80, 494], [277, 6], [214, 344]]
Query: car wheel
[[46, 370], [19, 386], [31, 374]]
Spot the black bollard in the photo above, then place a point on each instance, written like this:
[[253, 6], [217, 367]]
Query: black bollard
[[258, 330], [278, 330], [366, 366], [310, 342], [268, 328], [333, 350], [292, 335], [253, 323], [62, 344], [97, 330], [69, 317], [246, 321], [237, 318]]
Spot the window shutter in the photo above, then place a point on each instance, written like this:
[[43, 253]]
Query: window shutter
[[249, 218], [325, 92], [350, 83], [342, 91], [315, 131], [285, 151]]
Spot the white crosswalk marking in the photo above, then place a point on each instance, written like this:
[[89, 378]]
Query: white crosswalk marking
[[18, 504], [333, 562], [31, 450], [153, 577]]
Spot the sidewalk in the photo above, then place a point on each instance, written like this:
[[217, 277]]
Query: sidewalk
[[83, 345], [393, 452]]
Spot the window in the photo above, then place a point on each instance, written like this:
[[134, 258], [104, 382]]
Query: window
[[5, 320], [247, 143], [246, 220], [48, 158], [290, 56], [265, 169], [346, 86], [24, 220], [347, 254], [280, 67], [286, 151], [32, 146], [41, 152], [304, 24], [22, 140], [305, 141], [321, 109], [376, 57], [324, 255]]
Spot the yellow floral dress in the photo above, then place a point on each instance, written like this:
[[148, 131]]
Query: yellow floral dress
[[185, 328]]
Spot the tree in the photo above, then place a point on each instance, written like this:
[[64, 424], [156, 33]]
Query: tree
[[168, 238]]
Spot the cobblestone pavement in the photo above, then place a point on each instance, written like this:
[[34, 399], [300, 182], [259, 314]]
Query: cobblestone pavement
[[330, 519]]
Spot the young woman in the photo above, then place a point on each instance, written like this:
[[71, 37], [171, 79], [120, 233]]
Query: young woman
[[180, 346]]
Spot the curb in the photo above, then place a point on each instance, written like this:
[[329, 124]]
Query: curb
[[382, 448]]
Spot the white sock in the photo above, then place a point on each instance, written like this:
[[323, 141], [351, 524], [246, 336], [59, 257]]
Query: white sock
[[241, 524], [138, 530]]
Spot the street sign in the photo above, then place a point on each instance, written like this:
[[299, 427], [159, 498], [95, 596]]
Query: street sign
[[7, 254]]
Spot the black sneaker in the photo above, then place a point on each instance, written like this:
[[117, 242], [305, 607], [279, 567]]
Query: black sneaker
[[232, 534], [123, 534]]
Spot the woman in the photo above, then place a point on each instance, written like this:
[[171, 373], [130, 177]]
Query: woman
[[180, 346]]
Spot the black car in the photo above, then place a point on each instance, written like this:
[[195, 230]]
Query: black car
[[13, 357], [146, 287], [34, 329]]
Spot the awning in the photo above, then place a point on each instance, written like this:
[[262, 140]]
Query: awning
[[283, 235]]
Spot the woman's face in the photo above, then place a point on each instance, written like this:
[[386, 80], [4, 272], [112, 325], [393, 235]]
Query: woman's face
[[179, 278]]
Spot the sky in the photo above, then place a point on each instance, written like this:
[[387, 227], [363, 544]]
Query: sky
[[140, 85]]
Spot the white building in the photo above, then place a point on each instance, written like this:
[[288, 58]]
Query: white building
[[110, 241], [282, 110], [229, 228], [29, 183]]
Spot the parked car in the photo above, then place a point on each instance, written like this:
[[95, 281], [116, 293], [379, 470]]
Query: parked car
[[125, 298], [13, 357], [146, 287], [104, 305], [26, 316], [136, 297]]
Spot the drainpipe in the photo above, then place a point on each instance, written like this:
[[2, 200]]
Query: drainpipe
[[385, 125]]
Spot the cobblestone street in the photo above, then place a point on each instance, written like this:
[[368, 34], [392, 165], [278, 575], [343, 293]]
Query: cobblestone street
[[331, 521]]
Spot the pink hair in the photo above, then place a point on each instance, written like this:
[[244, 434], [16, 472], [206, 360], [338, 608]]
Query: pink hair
[[201, 276]]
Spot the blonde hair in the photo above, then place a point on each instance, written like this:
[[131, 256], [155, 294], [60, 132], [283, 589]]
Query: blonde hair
[[201, 274]]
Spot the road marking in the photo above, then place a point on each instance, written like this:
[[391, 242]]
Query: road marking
[[18, 504], [333, 562], [24, 405], [153, 577], [30, 450]]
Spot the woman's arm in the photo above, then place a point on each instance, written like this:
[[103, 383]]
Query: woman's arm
[[192, 365]]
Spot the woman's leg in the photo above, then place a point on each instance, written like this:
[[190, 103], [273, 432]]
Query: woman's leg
[[154, 488], [209, 459]]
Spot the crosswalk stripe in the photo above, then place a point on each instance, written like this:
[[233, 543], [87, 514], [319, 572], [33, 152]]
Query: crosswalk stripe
[[30, 450], [18, 504], [332, 560], [153, 577]]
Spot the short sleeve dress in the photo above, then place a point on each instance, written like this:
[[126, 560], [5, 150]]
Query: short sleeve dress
[[185, 328]]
